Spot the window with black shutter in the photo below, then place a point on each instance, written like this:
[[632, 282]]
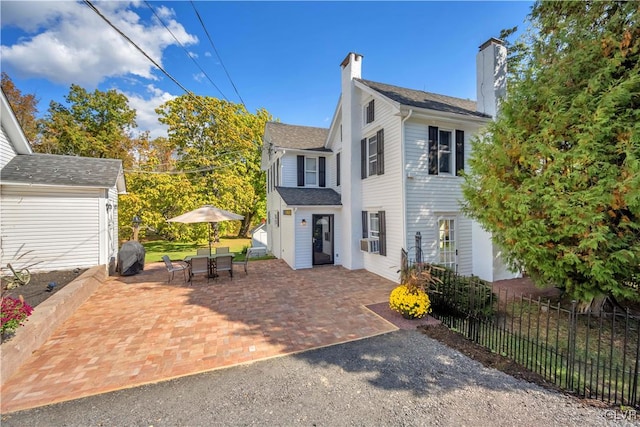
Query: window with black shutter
[[338, 169], [322, 171], [300, 171]]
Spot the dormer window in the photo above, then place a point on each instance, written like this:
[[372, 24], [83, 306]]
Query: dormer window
[[369, 112]]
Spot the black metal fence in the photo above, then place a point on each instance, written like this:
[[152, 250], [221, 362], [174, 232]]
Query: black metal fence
[[592, 355]]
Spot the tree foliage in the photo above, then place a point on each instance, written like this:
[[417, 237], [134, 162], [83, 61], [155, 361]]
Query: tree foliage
[[556, 178], [25, 107], [97, 124], [219, 142]]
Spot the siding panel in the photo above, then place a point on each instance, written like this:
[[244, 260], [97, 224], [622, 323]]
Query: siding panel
[[52, 229]]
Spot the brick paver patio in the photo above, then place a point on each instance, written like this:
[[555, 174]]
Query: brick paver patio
[[139, 329]]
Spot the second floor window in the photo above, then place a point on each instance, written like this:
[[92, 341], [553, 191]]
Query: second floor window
[[372, 155], [446, 155], [311, 171]]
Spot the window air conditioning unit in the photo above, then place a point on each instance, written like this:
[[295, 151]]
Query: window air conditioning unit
[[370, 245]]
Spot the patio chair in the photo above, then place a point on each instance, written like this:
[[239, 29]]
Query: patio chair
[[244, 263], [203, 251], [225, 263], [222, 250], [199, 265], [172, 268]]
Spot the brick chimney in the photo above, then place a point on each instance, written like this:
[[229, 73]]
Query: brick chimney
[[491, 70]]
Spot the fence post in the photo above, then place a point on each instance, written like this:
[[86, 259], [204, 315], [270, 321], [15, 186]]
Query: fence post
[[634, 396], [418, 251], [571, 346]]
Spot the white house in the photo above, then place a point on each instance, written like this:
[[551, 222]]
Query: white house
[[56, 212], [357, 193]]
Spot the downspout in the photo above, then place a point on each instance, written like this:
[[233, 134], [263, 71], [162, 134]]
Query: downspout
[[404, 179]]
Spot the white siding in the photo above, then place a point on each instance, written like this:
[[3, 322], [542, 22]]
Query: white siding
[[49, 228], [289, 170], [384, 192], [304, 238], [7, 151], [429, 197]]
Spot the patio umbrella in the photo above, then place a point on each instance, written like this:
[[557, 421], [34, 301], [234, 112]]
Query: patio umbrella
[[207, 213]]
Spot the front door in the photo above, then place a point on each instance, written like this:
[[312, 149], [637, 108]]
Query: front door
[[322, 239]]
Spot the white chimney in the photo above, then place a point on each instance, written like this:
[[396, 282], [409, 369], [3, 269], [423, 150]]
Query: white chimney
[[351, 187], [491, 69]]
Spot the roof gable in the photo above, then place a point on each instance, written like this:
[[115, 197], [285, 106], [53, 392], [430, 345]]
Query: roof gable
[[13, 129], [427, 100], [296, 137]]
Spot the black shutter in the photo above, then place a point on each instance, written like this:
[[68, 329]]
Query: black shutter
[[363, 158], [382, 240], [322, 168], [371, 111], [338, 169], [300, 171], [433, 150], [459, 151], [380, 137], [365, 224]]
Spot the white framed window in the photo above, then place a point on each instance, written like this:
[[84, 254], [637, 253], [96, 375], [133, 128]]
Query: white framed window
[[446, 151], [311, 171], [372, 155], [445, 157], [447, 244], [374, 225]]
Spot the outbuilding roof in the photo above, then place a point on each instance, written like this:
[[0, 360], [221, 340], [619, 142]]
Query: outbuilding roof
[[296, 137], [300, 196], [427, 100], [53, 169]]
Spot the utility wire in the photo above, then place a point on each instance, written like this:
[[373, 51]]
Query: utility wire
[[158, 66], [185, 49], [216, 51]]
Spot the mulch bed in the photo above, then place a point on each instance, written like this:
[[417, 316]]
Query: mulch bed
[[36, 292]]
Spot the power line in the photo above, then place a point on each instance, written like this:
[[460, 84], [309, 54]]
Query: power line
[[216, 51], [185, 49], [158, 66]]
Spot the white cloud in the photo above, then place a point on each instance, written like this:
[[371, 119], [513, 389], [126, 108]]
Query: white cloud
[[199, 77], [69, 43], [146, 117]]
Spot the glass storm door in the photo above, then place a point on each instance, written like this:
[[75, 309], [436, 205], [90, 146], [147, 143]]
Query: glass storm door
[[322, 239], [447, 247]]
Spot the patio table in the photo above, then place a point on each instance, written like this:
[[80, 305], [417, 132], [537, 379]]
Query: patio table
[[212, 261]]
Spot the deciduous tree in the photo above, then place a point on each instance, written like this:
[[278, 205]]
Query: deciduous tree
[[219, 142], [556, 178], [25, 107], [97, 124]]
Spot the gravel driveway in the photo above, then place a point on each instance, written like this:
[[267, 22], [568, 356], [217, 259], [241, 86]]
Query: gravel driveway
[[402, 378]]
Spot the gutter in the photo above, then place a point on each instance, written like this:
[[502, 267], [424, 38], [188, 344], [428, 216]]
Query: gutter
[[404, 177]]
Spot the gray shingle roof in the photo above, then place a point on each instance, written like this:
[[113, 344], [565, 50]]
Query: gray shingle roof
[[421, 99], [52, 169], [294, 196], [298, 137]]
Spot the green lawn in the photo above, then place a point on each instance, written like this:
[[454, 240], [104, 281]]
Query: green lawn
[[178, 250]]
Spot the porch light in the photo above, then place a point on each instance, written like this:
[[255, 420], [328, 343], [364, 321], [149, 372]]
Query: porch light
[[304, 222]]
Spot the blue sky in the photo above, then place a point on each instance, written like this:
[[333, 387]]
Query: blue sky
[[281, 56]]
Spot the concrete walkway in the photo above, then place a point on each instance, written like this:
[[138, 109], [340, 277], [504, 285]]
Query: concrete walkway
[[137, 330]]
